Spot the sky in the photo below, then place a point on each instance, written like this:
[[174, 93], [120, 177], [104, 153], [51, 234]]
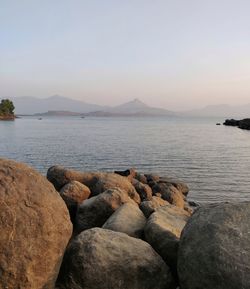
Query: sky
[[178, 54]]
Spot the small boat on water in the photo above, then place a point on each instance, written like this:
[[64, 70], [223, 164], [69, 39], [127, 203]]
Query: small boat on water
[[39, 118]]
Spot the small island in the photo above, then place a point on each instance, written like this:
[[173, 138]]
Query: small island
[[7, 110], [243, 124]]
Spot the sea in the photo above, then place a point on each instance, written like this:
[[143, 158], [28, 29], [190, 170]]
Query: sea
[[214, 160]]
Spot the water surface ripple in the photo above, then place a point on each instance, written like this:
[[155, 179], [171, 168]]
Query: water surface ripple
[[213, 160]]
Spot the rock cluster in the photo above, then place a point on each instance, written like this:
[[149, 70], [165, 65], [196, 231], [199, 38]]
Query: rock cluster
[[243, 124], [130, 231]]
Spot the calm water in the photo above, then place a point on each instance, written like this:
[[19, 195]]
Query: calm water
[[213, 160]]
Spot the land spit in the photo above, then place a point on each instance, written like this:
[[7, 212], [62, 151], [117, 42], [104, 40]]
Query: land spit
[[121, 230]]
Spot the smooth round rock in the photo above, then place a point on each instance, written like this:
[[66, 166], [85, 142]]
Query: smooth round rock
[[163, 231], [104, 259], [127, 219]]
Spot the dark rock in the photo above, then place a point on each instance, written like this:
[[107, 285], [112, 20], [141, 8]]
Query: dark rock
[[141, 178], [103, 259], [152, 178], [214, 251], [144, 191], [163, 231], [130, 173], [95, 211], [127, 219], [231, 122], [149, 207], [182, 187], [244, 123], [35, 228]]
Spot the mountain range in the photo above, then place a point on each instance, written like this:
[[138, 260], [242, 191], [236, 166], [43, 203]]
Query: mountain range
[[60, 105]]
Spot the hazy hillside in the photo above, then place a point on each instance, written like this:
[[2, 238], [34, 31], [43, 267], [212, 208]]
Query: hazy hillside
[[32, 105], [137, 107], [222, 110]]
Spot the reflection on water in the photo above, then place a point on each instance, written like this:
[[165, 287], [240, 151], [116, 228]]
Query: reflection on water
[[213, 160]]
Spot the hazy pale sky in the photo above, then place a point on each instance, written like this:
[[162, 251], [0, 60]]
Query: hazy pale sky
[[177, 54]]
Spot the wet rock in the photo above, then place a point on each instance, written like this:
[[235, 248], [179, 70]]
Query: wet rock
[[163, 232], [214, 251], [103, 259], [35, 228], [127, 219], [149, 207], [95, 211]]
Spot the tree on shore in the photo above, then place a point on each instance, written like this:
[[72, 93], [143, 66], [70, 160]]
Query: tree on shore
[[6, 107]]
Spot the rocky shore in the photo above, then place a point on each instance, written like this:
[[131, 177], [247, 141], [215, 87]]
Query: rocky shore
[[243, 124], [7, 117], [119, 230]]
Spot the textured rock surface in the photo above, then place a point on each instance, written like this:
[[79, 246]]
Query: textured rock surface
[[95, 211], [144, 191], [163, 231], [103, 259], [127, 219], [170, 193], [214, 250], [149, 207], [141, 178], [74, 193], [60, 176], [35, 228], [182, 187], [112, 181]]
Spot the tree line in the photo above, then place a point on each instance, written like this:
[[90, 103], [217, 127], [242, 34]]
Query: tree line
[[6, 107]]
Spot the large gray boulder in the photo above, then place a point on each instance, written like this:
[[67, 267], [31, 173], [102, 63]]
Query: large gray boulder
[[95, 211], [35, 228], [127, 219], [163, 232], [104, 259], [214, 251]]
